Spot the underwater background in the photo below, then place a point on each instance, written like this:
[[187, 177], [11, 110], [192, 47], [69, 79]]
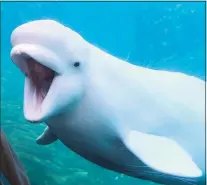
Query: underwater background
[[158, 35]]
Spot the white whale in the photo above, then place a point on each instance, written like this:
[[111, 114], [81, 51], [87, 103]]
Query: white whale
[[145, 123]]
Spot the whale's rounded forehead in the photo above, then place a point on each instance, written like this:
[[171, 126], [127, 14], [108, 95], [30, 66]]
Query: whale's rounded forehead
[[41, 28], [43, 32], [42, 24]]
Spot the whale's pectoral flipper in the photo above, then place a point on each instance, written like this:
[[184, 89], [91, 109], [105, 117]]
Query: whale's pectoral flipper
[[162, 154], [46, 137]]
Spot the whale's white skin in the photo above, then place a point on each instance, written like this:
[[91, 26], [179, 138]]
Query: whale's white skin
[[145, 123]]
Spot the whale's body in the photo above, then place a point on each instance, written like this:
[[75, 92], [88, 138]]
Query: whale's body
[[145, 123]]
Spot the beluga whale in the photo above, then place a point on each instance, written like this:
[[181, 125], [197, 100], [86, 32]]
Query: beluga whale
[[144, 123]]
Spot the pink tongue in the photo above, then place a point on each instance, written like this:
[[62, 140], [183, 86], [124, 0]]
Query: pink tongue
[[39, 73]]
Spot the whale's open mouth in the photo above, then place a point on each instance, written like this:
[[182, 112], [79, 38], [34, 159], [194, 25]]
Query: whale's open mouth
[[39, 79]]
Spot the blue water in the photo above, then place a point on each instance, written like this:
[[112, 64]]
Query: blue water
[[158, 35]]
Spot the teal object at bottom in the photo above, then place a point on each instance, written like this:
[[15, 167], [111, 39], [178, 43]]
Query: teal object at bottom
[[3, 179]]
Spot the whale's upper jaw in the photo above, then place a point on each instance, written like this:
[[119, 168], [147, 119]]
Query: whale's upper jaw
[[42, 54]]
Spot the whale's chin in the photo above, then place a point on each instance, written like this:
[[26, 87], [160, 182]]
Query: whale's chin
[[38, 80]]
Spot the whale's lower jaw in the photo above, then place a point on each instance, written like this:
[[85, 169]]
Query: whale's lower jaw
[[38, 80]]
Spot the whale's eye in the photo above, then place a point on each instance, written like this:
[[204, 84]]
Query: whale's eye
[[76, 64]]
